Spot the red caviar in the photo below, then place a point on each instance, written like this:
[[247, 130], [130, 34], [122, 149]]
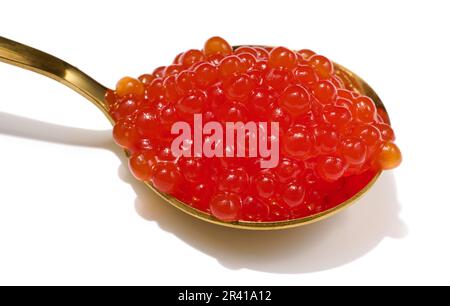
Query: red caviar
[[333, 140]]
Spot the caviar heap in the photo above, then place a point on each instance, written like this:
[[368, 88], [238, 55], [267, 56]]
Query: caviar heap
[[332, 139]]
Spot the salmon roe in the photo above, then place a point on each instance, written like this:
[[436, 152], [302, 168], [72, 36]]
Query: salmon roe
[[332, 139]]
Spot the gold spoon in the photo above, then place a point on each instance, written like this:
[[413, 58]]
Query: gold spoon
[[23, 56]]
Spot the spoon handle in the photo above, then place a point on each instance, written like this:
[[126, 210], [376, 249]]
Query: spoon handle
[[26, 57]]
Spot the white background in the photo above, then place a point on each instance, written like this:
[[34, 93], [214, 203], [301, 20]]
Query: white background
[[70, 213]]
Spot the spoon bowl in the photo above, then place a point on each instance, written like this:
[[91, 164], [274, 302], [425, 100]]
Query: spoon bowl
[[26, 57]]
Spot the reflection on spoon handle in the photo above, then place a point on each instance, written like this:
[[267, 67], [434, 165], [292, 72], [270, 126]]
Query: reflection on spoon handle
[[26, 57]]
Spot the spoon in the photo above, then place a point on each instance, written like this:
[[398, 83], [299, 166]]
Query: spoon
[[26, 57]]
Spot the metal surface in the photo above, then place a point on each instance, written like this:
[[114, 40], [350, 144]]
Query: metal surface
[[32, 59], [26, 57]]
